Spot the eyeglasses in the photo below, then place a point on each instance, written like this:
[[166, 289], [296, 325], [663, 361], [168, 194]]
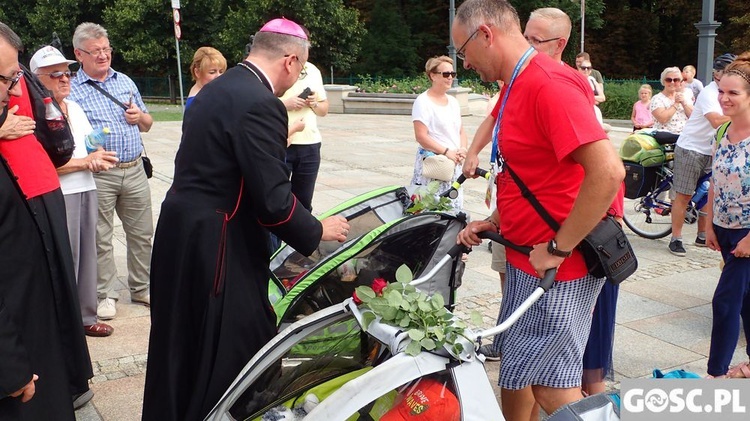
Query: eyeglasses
[[58, 75], [460, 52], [12, 81], [303, 72], [585, 67], [535, 42], [446, 74], [671, 79], [103, 51]]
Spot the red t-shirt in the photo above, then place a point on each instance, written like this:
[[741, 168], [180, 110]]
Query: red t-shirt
[[548, 115], [26, 157]]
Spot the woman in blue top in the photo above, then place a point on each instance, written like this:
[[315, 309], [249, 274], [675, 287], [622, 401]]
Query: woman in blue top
[[208, 64]]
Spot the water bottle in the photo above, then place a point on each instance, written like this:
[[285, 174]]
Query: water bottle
[[700, 194], [96, 139], [53, 116]]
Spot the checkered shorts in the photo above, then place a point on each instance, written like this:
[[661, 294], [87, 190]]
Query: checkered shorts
[[689, 166], [545, 346]]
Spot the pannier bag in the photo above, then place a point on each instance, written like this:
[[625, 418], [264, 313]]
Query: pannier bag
[[642, 149], [639, 180]]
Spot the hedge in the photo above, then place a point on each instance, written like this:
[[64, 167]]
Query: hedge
[[621, 94]]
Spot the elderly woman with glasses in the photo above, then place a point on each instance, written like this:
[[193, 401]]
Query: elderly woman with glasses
[[437, 125], [671, 108], [77, 184]]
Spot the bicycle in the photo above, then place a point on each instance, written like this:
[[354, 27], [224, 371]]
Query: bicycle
[[649, 215]]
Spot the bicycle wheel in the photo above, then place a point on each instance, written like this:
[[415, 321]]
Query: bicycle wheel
[[647, 218]]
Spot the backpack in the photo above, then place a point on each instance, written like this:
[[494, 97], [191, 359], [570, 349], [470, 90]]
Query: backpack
[[59, 144]]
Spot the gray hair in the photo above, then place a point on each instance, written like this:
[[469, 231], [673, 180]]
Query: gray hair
[[559, 21], [10, 37], [497, 13], [667, 71], [87, 31], [272, 45]]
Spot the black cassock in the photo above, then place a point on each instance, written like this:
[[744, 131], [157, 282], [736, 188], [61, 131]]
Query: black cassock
[[209, 268], [40, 320]]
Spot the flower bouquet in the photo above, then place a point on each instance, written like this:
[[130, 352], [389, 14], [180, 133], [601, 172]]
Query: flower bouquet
[[426, 198], [425, 319]]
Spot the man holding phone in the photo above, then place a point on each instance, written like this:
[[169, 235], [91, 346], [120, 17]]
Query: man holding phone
[[305, 101], [111, 99]]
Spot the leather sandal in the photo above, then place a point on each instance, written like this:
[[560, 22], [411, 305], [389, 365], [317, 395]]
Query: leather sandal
[[98, 330], [740, 371]]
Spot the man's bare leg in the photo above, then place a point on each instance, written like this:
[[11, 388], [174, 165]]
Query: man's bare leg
[[552, 398], [518, 405]]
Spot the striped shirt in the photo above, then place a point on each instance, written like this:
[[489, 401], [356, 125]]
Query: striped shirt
[[124, 138]]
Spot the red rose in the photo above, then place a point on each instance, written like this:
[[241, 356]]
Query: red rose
[[378, 285], [356, 299]]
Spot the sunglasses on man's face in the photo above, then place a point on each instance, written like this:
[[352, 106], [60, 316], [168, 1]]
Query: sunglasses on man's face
[[584, 67], [59, 75], [446, 74]]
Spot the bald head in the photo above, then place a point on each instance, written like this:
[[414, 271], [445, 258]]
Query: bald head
[[548, 30], [497, 13]]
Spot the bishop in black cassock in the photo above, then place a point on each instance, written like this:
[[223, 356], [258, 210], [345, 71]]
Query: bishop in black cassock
[[210, 311]]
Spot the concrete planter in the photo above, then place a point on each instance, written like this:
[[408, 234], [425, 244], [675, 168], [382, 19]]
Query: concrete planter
[[343, 99]]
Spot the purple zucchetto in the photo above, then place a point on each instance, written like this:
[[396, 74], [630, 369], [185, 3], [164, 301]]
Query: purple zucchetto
[[284, 26]]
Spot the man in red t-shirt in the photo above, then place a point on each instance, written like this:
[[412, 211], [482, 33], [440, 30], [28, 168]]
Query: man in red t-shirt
[[553, 142]]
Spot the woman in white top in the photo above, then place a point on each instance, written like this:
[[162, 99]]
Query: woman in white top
[[77, 184], [437, 124], [671, 108]]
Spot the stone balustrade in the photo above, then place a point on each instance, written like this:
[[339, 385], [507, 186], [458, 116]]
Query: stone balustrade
[[343, 99]]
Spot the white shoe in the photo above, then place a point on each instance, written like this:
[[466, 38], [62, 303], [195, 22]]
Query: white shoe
[[106, 309]]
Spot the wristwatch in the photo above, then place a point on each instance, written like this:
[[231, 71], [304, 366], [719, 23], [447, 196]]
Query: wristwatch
[[552, 249]]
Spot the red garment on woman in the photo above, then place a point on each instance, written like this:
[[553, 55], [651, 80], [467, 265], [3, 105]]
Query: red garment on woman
[[25, 155]]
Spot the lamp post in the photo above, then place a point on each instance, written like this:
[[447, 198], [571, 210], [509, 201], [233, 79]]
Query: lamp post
[[706, 37], [451, 47], [583, 21]]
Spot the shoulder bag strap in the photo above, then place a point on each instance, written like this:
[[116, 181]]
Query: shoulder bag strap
[[107, 94], [526, 193]]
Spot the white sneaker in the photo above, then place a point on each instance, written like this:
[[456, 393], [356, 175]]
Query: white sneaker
[[106, 309]]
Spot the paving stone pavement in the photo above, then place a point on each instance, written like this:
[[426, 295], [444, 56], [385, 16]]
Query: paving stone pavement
[[664, 311]]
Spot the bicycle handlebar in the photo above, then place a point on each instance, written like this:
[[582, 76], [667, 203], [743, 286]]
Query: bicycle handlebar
[[452, 193]]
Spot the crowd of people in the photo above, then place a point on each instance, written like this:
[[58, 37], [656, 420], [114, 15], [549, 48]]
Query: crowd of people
[[245, 174]]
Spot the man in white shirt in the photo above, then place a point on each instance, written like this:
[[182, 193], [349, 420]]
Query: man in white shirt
[[692, 156]]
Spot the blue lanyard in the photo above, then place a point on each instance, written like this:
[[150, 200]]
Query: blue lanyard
[[521, 61]]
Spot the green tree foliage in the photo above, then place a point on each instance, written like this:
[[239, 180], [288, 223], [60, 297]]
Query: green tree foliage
[[626, 39], [388, 49], [335, 30], [738, 27], [142, 34]]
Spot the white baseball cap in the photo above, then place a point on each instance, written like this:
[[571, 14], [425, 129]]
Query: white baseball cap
[[47, 56]]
